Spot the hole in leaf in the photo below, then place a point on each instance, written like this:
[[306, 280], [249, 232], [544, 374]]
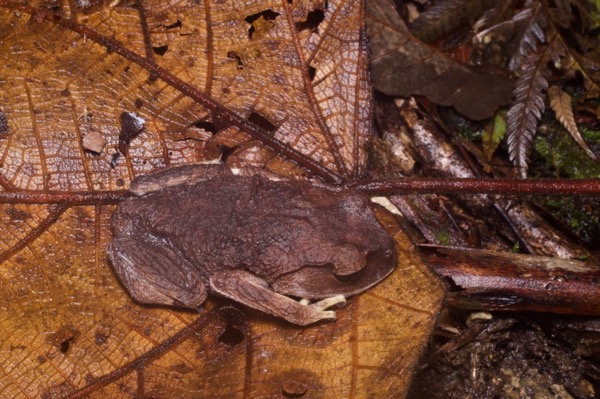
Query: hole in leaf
[[313, 19], [65, 345], [234, 55], [138, 103], [208, 126], [176, 24], [312, 72], [267, 15], [226, 152], [160, 50], [231, 336], [261, 122], [63, 338]]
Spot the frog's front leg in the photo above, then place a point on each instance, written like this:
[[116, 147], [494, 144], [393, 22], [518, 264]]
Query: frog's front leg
[[156, 274], [252, 291]]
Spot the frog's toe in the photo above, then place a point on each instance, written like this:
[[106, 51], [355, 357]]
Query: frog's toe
[[338, 300], [253, 291], [327, 315]]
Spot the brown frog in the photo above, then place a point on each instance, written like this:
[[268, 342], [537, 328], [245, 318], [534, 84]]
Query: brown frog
[[195, 229]]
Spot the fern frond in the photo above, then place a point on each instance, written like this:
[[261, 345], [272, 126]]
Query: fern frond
[[583, 7], [531, 23], [494, 16], [524, 114]]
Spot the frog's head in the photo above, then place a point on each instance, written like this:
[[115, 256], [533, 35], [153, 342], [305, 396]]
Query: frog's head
[[357, 250]]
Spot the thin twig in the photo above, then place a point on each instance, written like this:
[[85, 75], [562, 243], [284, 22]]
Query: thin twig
[[58, 197], [476, 185]]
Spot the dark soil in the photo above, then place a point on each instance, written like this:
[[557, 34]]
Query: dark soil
[[513, 356]]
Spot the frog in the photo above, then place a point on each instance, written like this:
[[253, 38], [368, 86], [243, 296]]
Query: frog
[[287, 247]]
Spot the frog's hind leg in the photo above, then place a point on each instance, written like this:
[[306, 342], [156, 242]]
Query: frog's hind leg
[[155, 275], [246, 288]]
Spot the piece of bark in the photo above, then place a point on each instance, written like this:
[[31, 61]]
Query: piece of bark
[[536, 235], [482, 279]]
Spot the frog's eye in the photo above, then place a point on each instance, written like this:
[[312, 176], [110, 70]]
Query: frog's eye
[[372, 258], [350, 278]]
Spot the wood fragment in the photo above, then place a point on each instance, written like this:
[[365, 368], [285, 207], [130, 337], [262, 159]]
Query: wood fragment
[[482, 279]]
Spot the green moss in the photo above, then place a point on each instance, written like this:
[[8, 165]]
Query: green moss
[[580, 214], [556, 154], [465, 127], [444, 238], [590, 135]]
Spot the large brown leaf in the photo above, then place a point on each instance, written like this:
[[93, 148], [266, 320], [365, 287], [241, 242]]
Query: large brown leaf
[[297, 71], [311, 87]]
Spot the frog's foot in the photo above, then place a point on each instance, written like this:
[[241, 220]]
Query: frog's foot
[[338, 300], [244, 287]]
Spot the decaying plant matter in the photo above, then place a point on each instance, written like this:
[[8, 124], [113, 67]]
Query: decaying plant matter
[[542, 43], [95, 93]]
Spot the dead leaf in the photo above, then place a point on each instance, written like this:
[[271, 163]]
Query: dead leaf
[[563, 108], [298, 82], [445, 16], [404, 66]]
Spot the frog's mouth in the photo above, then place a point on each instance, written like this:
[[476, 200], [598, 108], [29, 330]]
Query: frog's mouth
[[320, 281]]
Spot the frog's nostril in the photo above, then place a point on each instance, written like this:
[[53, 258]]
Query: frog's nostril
[[350, 278]]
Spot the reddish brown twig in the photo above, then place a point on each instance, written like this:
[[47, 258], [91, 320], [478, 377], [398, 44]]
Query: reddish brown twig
[[477, 185]]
